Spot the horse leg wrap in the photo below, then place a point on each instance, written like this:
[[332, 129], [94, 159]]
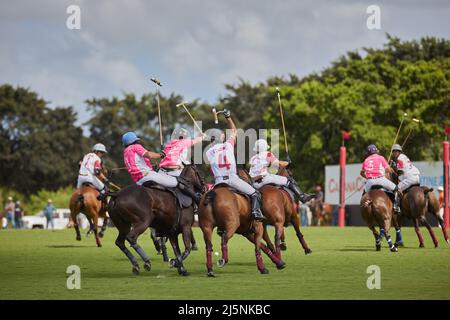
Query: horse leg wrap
[[209, 259], [130, 256], [141, 252], [259, 261]]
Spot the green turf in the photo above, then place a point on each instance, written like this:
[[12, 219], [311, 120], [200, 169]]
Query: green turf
[[33, 266]]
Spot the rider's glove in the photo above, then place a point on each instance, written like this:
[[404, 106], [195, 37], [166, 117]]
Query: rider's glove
[[162, 154], [226, 113]]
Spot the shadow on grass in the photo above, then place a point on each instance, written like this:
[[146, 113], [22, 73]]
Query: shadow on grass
[[65, 246]]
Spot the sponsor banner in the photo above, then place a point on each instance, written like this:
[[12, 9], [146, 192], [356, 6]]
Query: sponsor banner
[[431, 175]]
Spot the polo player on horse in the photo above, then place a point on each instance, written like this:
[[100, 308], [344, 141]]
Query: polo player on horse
[[91, 171], [373, 169], [408, 174], [220, 157], [259, 171], [137, 160]]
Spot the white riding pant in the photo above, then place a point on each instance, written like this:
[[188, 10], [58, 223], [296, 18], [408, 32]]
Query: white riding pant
[[160, 178], [382, 181], [235, 182], [408, 181], [271, 179], [96, 182], [173, 173]]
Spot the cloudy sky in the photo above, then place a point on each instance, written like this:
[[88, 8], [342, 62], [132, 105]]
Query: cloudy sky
[[193, 46]]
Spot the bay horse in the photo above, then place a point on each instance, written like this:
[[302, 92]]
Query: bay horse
[[135, 208], [416, 202], [279, 209], [377, 210], [321, 214], [230, 212], [84, 200]]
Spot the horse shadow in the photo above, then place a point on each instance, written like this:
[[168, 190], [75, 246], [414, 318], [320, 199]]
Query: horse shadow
[[66, 246]]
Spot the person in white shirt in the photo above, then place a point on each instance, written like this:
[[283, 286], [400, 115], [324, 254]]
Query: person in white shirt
[[220, 157], [91, 170], [259, 171], [408, 174]]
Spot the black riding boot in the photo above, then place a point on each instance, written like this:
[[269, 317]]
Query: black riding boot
[[103, 193], [256, 207], [303, 197], [187, 189], [397, 200]]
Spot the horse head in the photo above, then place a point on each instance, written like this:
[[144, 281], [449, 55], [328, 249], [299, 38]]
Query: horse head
[[284, 172], [190, 172], [244, 175]]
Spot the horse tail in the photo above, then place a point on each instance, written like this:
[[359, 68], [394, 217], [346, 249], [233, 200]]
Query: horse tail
[[209, 198], [80, 201]]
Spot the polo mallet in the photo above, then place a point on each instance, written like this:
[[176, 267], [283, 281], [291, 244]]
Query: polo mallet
[[183, 104], [409, 133], [396, 136], [215, 113], [282, 122], [158, 85]]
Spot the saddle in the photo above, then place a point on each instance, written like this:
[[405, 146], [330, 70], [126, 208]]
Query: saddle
[[412, 186], [287, 190], [389, 193], [210, 195], [183, 200]]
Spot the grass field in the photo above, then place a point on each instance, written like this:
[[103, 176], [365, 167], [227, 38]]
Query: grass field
[[33, 266]]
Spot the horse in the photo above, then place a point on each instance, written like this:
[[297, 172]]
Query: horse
[[160, 244], [416, 202], [377, 210], [84, 200], [230, 212], [279, 209], [135, 208], [321, 213]]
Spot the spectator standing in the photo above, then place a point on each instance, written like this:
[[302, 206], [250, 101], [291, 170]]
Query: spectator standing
[[9, 211], [49, 210], [18, 215]]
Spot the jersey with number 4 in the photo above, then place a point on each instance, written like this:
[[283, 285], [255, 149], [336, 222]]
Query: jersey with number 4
[[221, 158]]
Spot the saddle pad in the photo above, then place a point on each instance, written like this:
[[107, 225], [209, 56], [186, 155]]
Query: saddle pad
[[183, 200]]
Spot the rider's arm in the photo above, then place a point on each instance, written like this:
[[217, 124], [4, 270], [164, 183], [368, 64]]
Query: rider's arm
[[198, 139], [152, 155], [231, 126]]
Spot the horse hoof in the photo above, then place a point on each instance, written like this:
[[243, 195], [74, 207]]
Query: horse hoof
[[173, 263], [136, 270], [308, 251], [448, 241], [378, 247], [99, 245], [394, 249], [399, 244], [264, 271], [194, 248], [421, 245], [283, 247], [148, 266], [436, 245], [211, 274], [78, 238], [221, 263], [101, 235], [183, 272], [281, 265]]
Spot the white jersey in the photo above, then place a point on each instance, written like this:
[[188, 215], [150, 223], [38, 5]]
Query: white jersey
[[260, 163], [90, 162], [405, 165], [221, 158]]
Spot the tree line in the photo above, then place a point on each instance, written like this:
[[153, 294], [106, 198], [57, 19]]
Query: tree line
[[365, 92]]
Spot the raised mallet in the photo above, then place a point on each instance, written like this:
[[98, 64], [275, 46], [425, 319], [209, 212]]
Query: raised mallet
[[282, 122], [158, 85], [398, 132], [183, 104], [409, 133]]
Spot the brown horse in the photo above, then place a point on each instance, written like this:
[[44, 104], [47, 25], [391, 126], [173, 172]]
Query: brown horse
[[230, 212], [321, 213], [84, 200], [135, 208], [377, 210], [280, 210], [416, 202]]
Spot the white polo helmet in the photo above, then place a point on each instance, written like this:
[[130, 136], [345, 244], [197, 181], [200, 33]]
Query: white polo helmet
[[261, 145], [99, 147], [441, 189], [397, 147]]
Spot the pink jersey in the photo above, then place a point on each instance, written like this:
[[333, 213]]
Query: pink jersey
[[176, 152], [260, 163], [221, 158], [137, 165], [374, 166]]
